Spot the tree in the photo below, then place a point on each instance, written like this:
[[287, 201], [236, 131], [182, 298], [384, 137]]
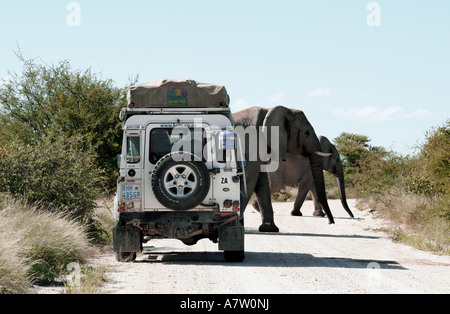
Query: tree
[[369, 169], [353, 148], [57, 99]]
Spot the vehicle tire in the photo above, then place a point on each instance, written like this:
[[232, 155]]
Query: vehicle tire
[[234, 256], [180, 181], [125, 257]]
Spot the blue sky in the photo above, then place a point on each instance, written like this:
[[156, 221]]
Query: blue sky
[[390, 82]]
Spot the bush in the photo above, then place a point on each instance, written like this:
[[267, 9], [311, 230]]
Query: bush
[[432, 171], [379, 172], [57, 173], [45, 99], [370, 169]]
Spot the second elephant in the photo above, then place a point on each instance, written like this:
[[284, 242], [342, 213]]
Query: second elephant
[[297, 170]]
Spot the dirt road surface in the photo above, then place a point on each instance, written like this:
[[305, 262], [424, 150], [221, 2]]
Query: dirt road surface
[[306, 256]]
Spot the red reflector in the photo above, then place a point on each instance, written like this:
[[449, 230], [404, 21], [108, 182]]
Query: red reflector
[[236, 209], [121, 207], [225, 214]]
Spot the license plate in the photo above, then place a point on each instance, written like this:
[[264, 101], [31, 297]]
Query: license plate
[[131, 192]]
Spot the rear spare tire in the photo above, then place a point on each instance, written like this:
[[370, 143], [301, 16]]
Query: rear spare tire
[[180, 181]]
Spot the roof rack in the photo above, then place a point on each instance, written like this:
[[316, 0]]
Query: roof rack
[[126, 112]]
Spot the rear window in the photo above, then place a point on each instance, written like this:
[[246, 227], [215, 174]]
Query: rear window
[[162, 141]]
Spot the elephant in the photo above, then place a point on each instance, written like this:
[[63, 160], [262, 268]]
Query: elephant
[[296, 136], [297, 171]]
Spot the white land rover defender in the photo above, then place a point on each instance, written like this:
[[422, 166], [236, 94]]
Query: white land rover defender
[[179, 172]]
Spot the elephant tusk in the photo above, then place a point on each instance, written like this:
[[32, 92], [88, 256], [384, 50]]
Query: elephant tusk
[[322, 154]]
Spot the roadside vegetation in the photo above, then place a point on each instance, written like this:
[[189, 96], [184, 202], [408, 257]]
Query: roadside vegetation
[[410, 192], [59, 137], [37, 245]]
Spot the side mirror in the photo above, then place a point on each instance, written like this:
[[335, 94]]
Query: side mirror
[[119, 160]]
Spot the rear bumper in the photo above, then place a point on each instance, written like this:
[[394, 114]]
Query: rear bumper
[[186, 226], [143, 218]]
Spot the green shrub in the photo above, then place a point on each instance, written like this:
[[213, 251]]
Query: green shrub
[[57, 173], [56, 98], [432, 174]]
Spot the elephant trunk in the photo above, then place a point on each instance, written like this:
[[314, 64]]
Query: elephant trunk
[[319, 182], [341, 184]]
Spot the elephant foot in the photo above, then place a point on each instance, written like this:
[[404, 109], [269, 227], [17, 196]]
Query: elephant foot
[[296, 212], [268, 227], [318, 213]]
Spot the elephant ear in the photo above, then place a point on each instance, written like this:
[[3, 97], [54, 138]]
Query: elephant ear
[[328, 148], [325, 145], [279, 117]]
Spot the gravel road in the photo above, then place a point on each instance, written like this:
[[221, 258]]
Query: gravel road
[[306, 256]]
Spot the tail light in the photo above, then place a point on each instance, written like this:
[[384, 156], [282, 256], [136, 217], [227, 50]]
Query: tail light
[[121, 207], [227, 203], [236, 206]]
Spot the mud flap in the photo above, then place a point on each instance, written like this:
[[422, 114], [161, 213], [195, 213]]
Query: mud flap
[[126, 239], [231, 237]]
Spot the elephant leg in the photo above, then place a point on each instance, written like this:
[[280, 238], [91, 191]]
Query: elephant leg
[[262, 191], [304, 185], [301, 195], [255, 205], [318, 212]]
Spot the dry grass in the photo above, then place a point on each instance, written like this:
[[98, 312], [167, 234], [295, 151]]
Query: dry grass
[[14, 266], [37, 245], [104, 217], [91, 282], [417, 220]]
